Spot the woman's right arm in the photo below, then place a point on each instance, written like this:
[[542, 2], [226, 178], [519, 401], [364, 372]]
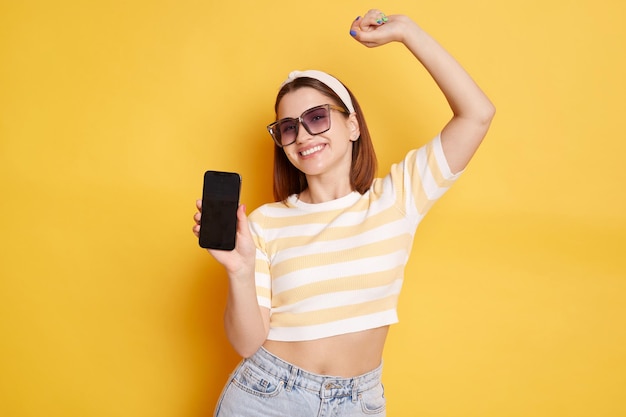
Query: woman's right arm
[[245, 322]]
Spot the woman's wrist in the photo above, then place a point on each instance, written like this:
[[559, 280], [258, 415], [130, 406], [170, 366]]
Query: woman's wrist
[[409, 29], [414, 37], [241, 277]]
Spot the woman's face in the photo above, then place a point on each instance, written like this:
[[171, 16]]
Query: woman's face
[[328, 153]]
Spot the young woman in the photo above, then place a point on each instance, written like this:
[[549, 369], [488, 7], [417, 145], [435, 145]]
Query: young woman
[[314, 278]]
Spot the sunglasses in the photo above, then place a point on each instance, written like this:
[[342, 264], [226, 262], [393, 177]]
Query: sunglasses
[[315, 120]]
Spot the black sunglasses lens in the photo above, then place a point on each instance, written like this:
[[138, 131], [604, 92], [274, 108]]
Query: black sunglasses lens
[[286, 131], [316, 120]]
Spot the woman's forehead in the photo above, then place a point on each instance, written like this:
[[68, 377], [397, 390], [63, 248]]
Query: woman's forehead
[[295, 102]]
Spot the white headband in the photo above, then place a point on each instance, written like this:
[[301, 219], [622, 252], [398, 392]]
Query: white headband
[[330, 81]]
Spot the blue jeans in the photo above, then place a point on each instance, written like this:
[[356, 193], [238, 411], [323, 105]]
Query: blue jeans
[[265, 385]]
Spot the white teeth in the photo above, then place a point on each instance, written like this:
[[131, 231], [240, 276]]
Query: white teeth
[[312, 150]]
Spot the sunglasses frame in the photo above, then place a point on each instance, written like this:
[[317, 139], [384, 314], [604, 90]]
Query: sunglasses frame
[[271, 128]]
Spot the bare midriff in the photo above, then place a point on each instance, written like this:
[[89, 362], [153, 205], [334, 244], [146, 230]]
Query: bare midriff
[[346, 355]]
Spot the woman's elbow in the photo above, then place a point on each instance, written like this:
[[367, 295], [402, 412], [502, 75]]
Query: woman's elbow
[[247, 351], [487, 113]]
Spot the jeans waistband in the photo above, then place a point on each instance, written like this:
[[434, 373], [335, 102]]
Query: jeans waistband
[[327, 386]]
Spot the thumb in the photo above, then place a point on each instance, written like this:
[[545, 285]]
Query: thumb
[[242, 220], [366, 36]]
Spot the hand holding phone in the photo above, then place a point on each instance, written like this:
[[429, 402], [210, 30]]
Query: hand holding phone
[[220, 200]]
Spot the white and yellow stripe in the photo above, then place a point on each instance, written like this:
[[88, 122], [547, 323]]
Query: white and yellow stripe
[[337, 267]]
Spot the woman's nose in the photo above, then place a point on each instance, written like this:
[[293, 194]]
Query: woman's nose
[[302, 135]]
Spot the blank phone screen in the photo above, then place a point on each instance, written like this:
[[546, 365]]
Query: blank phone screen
[[220, 199]]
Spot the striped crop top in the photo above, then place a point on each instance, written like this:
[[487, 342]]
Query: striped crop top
[[337, 267]]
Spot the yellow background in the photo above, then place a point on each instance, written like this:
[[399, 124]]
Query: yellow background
[[110, 111]]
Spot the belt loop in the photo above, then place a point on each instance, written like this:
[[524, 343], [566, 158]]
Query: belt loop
[[292, 377], [355, 390]]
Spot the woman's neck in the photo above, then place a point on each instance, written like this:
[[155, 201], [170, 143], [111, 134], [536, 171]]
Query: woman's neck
[[321, 192]]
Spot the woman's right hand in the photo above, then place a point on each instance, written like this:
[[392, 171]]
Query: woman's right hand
[[245, 322], [240, 261]]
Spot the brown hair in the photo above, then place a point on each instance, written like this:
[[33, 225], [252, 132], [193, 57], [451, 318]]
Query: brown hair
[[289, 180]]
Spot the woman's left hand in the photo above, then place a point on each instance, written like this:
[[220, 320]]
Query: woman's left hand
[[376, 29]]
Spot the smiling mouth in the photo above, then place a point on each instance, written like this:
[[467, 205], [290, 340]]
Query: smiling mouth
[[312, 150]]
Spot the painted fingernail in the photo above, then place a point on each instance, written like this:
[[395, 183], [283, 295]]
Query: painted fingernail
[[357, 18], [353, 33]]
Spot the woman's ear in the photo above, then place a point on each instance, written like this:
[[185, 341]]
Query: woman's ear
[[355, 131]]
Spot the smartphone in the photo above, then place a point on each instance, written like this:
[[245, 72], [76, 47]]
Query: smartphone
[[220, 200]]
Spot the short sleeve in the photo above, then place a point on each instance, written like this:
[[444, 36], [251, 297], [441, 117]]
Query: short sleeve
[[262, 275], [422, 177]]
